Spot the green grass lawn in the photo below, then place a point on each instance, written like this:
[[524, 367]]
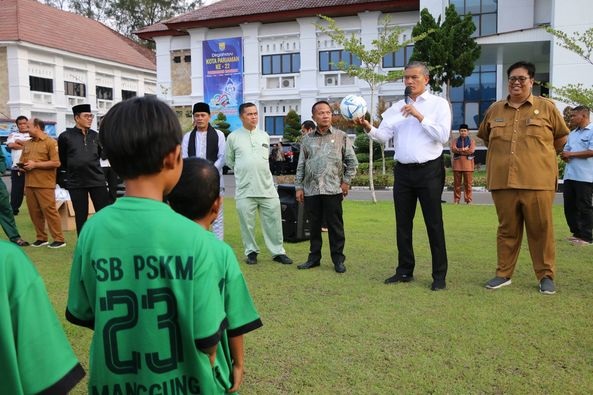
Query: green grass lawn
[[326, 333]]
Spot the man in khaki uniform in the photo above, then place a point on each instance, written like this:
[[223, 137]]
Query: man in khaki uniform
[[523, 133], [40, 160]]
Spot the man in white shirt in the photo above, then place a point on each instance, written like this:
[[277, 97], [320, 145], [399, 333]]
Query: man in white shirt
[[16, 142], [206, 142], [420, 126]]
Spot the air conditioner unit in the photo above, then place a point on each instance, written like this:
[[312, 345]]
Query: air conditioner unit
[[331, 81], [288, 82]]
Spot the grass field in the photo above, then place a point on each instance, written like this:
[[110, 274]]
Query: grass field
[[326, 333]]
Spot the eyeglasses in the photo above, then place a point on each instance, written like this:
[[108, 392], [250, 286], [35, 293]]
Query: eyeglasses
[[520, 79]]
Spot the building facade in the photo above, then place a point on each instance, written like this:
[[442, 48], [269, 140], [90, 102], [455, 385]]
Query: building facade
[[289, 64], [45, 71]]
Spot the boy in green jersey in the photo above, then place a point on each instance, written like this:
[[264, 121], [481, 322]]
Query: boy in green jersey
[[142, 275], [35, 355], [197, 197]]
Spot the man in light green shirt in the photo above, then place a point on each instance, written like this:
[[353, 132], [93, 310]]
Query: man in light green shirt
[[247, 153]]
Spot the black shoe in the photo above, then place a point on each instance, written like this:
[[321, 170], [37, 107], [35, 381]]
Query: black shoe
[[15, 212], [57, 244], [438, 286], [20, 242], [399, 278], [251, 258], [340, 267], [283, 259], [309, 265]]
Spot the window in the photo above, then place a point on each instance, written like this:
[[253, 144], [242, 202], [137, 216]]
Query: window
[[281, 64], [471, 100], [127, 94], [484, 14], [104, 93], [39, 84], [328, 60], [275, 125], [399, 58], [74, 89]]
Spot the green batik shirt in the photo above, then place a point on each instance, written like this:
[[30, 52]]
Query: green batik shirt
[[146, 280], [326, 161]]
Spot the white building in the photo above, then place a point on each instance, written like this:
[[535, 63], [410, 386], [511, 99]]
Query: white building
[[287, 60], [51, 60]]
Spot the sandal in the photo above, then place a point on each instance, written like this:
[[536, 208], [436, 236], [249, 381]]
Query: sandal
[[20, 242]]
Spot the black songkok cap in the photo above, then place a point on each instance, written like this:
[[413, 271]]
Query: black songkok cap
[[201, 107], [463, 126], [81, 108]]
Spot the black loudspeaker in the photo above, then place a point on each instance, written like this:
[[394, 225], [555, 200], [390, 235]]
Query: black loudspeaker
[[295, 224]]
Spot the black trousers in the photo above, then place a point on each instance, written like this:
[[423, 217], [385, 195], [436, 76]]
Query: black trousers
[[578, 208], [112, 181], [328, 208], [80, 202], [17, 189], [424, 183]]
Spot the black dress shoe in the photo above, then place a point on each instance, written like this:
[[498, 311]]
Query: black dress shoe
[[251, 258], [309, 265], [283, 259], [399, 278], [340, 267], [438, 286]]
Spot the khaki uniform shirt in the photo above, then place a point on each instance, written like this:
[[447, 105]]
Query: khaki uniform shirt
[[42, 149], [462, 160], [520, 141]]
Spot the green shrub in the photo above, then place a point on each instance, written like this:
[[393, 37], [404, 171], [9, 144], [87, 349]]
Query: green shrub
[[381, 181], [363, 158]]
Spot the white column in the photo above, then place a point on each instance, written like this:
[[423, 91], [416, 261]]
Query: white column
[[163, 68], [197, 36], [60, 102], [308, 89], [369, 31], [116, 85], [251, 62], [19, 94]]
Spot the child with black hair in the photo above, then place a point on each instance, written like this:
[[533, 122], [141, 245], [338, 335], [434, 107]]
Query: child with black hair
[[197, 197], [141, 275]]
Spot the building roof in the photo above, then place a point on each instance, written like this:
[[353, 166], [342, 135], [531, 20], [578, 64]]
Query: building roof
[[235, 12], [36, 23]]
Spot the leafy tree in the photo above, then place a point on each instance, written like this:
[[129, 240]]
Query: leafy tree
[[221, 124], [371, 58], [582, 45], [128, 16], [448, 49], [92, 9], [292, 126]]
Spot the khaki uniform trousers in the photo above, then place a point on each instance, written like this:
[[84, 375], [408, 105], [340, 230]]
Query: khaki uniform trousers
[[532, 208], [41, 203]]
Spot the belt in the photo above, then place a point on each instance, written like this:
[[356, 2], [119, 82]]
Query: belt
[[413, 165]]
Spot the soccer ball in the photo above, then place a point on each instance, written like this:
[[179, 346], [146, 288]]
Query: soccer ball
[[353, 107]]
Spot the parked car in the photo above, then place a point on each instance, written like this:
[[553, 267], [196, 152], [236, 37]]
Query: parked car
[[284, 161], [7, 156]]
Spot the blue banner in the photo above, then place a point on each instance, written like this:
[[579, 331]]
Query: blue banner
[[223, 78]]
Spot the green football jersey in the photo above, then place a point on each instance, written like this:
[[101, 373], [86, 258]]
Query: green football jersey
[[241, 314], [35, 355], [142, 278]]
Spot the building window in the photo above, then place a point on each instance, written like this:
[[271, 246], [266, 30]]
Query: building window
[[275, 125], [74, 89], [39, 84], [400, 58], [328, 60], [104, 93], [484, 14], [281, 64], [127, 94], [471, 100]]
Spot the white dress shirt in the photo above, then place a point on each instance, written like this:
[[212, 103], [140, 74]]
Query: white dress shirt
[[201, 150], [414, 141]]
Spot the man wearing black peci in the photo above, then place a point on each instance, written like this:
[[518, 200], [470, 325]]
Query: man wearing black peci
[[79, 156]]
